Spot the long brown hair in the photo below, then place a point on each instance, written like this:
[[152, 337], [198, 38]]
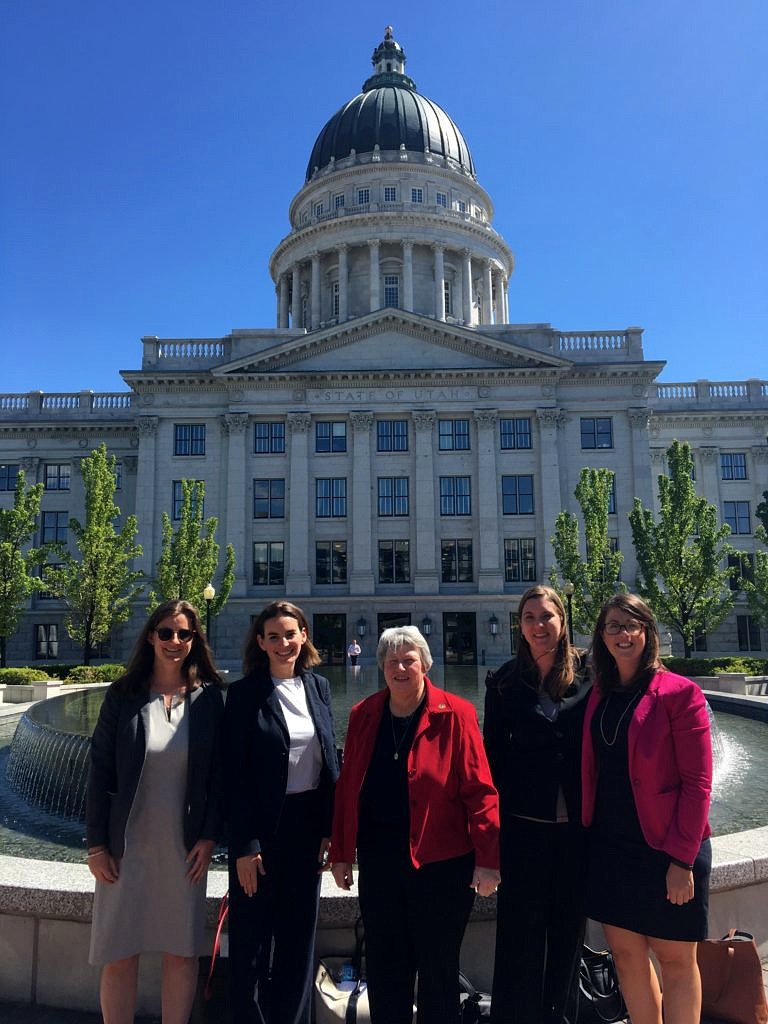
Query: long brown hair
[[606, 673], [561, 675], [254, 658], [198, 666]]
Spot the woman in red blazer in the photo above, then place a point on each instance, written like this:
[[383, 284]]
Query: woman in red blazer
[[416, 805], [647, 778]]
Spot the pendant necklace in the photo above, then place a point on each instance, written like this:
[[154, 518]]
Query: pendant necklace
[[397, 743], [606, 741]]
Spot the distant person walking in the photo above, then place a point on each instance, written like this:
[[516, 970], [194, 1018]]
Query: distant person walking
[[353, 652]]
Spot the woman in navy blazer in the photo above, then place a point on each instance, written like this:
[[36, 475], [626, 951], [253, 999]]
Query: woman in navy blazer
[[280, 773], [647, 779]]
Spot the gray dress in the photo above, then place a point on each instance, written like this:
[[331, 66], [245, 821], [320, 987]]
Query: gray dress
[[153, 906]]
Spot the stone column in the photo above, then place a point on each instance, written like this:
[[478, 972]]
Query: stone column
[[297, 578], [408, 276], [487, 293], [549, 475], [439, 251], [235, 487], [296, 296], [147, 505], [283, 303], [466, 286], [361, 579], [658, 460], [490, 576], [31, 467], [426, 579], [374, 285], [315, 292], [628, 486], [343, 284], [709, 456], [499, 317], [757, 472]]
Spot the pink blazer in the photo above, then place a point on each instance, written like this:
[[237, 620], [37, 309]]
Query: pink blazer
[[670, 765]]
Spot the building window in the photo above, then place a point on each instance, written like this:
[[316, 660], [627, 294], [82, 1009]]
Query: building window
[[441, 199], [394, 561], [736, 514], [331, 561], [338, 201], [515, 433], [390, 193], [700, 642], [749, 633], [744, 564], [57, 476], [8, 476], [189, 439], [177, 499], [455, 496], [268, 438], [363, 196], [733, 466], [335, 299], [330, 436], [392, 435], [612, 496], [596, 432], [47, 640], [456, 561], [453, 435], [393, 495], [391, 290], [54, 527], [268, 499], [330, 497], [417, 195], [48, 595], [448, 298], [461, 206], [517, 495], [118, 476], [319, 209], [268, 563], [519, 560]]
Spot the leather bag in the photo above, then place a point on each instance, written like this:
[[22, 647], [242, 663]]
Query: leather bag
[[732, 979], [600, 997]]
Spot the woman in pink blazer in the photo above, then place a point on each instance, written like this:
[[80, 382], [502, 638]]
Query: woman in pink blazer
[[647, 777]]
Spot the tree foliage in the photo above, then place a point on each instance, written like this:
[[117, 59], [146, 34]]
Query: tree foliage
[[595, 575], [189, 558], [17, 560], [99, 586], [682, 558], [755, 583]]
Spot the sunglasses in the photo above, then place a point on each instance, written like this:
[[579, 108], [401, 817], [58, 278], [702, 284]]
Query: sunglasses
[[630, 628], [184, 635]]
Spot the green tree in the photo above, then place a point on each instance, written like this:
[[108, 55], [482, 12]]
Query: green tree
[[594, 577], [755, 583], [17, 559], [99, 586], [189, 558], [682, 559]]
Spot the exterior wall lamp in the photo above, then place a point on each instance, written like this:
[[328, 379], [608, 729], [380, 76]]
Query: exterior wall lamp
[[426, 626], [493, 626], [362, 627]]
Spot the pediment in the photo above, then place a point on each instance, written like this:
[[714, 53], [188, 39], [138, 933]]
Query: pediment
[[390, 340]]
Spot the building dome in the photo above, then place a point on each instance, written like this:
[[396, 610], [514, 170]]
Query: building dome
[[390, 115]]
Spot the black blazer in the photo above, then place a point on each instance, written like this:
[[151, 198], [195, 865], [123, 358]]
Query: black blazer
[[530, 756], [118, 748], [256, 746]]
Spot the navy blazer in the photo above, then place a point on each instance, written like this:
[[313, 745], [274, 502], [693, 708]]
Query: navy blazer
[[256, 747], [118, 748]]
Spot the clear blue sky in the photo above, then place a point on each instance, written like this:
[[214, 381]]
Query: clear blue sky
[[151, 149]]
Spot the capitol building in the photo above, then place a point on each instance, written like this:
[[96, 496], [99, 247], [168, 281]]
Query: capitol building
[[392, 449]]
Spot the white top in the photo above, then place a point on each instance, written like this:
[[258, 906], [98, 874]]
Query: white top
[[305, 759]]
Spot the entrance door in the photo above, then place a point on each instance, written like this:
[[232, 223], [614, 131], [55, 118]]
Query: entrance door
[[388, 620], [459, 638], [329, 634]]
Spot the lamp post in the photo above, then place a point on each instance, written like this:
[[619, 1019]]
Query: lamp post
[[208, 595], [568, 588]]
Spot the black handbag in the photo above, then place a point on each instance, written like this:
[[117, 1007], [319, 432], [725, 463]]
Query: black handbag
[[475, 1006], [600, 997]]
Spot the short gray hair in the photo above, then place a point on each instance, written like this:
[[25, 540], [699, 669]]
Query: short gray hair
[[393, 639]]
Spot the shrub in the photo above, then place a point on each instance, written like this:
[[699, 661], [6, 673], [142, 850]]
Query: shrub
[[716, 666], [22, 675], [95, 673]]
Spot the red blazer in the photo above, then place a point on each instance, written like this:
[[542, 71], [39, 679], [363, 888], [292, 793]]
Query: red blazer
[[670, 765], [454, 806]]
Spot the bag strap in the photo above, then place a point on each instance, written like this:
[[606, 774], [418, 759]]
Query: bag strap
[[223, 914], [350, 1017]]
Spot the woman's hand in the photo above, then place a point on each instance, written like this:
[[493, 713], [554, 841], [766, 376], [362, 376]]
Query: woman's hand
[[342, 874], [103, 866], [679, 884], [248, 870], [485, 881], [198, 858], [322, 855]]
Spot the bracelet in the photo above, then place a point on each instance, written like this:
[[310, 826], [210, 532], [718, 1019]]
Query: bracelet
[[680, 864], [96, 853]]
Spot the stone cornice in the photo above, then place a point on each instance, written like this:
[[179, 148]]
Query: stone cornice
[[63, 431], [725, 419]]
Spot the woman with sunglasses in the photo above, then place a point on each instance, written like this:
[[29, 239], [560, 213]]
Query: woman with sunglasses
[[647, 778], [153, 812]]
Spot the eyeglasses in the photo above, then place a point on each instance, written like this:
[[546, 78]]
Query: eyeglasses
[[630, 628], [184, 635]]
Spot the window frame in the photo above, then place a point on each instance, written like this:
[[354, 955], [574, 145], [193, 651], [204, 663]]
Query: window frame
[[450, 432], [336, 438], [274, 567], [598, 429], [333, 503], [335, 570], [392, 435], [190, 436], [58, 476], [517, 494], [393, 500], [513, 433], [274, 437], [399, 563], [274, 501], [738, 517], [455, 553], [733, 466], [9, 471], [524, 560], [48, 646], [60, 534], [455, 495]]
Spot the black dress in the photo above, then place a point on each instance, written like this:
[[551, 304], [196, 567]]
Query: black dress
[[626, 878]]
